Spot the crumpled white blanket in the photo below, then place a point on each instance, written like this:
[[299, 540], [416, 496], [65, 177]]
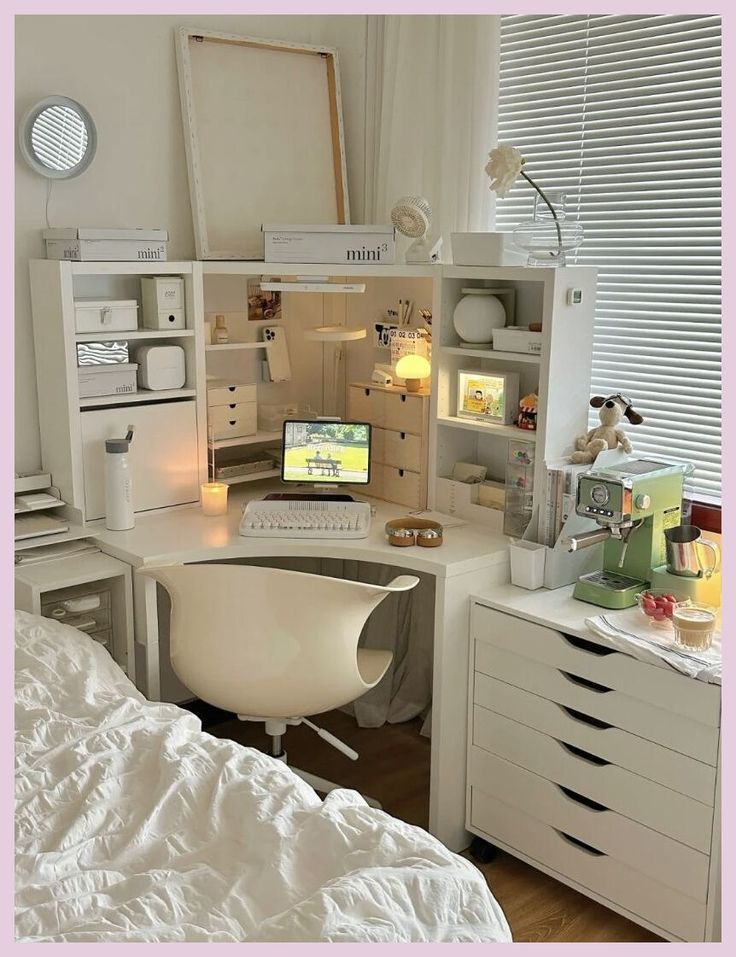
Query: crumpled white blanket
[[629, 629], [134, 825]]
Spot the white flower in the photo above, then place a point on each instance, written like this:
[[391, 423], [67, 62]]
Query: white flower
[[504, 165]]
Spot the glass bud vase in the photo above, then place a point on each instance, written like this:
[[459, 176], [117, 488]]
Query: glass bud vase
[[547, 240]]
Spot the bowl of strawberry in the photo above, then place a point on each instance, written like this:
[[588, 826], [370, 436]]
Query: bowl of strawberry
[[659, 606]]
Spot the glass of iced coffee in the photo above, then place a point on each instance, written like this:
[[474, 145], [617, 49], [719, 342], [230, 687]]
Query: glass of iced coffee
[[694, 624]]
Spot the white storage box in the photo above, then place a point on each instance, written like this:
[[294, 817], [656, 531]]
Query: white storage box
[[517, 339], [354, 245], [105, 315], [227, 392], [117, 379], [101, 245], [272, 417], [160, 367], [233, 421], [163, 302], [486, 249]]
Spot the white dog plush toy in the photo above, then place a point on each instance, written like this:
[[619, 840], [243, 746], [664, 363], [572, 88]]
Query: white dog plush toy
[[612, 409]]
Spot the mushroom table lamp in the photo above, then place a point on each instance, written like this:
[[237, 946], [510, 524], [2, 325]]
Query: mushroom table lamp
[[413, 369]]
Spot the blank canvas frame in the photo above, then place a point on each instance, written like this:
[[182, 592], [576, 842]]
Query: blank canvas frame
[[264, 138]]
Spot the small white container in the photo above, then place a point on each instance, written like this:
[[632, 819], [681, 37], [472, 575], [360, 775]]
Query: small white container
[[272, 417], [517, 339], [163, 302], [527, 564], [116, 379], [105, 315], [486, 249], [161, 367]]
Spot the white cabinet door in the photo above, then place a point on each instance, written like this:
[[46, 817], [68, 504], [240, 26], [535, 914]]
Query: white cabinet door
[[163, 454]]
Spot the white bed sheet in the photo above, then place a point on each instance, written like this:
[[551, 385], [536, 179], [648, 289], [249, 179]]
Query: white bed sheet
[[134, 825]]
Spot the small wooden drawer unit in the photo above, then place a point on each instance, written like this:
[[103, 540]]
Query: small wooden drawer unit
[[599, 768], [399, 440]]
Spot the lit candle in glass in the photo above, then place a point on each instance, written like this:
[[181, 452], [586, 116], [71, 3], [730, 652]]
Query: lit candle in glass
[[214, 498]]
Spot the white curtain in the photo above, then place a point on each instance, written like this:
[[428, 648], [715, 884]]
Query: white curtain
[[431, 121]]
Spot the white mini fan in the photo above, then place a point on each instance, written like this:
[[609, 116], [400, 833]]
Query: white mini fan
[[412, 216]]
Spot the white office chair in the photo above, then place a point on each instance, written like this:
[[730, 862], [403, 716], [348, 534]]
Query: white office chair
[[274, 645]]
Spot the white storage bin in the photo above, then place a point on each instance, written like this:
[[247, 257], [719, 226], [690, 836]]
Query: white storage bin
[[517, 339], [105, 315], [486, 249], [272, 417], [228, 391], [330, 244], [527, 564], [163, 302], [116, 379], [233, 421]]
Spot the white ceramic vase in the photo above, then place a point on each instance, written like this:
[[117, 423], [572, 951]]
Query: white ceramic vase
[[477, 314]]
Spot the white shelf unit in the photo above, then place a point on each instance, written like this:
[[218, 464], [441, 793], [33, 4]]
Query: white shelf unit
[[560, 376], [66, 419]]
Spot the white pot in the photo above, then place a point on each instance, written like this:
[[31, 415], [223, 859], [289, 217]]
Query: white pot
[[477, 314]]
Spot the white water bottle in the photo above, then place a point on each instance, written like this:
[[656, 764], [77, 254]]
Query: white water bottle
[[118, 484]]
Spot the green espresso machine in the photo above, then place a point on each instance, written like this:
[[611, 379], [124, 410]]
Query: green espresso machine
[[634, 502]]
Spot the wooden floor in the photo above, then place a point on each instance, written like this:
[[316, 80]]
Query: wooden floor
[[394, 768]]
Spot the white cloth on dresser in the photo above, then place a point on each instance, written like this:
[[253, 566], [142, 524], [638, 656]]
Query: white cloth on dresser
[[657, 645]]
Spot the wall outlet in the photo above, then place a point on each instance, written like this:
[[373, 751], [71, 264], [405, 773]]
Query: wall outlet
[[382, 334]]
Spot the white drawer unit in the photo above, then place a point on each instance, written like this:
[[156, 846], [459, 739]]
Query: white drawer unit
[[598, 768], [234, 420], [399, 423], [228, 391]]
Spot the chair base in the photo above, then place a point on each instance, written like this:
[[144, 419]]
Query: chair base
[[322, 785]]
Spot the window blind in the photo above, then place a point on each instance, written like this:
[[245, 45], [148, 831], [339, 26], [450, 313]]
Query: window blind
[[623, 113]]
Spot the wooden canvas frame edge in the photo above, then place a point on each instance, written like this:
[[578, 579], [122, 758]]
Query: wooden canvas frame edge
[[191, 148]]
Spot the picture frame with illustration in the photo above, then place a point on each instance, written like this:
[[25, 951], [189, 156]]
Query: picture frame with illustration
[[491, 397], [263, 306]]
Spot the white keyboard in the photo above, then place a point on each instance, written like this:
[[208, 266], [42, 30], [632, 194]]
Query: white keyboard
[[306, 519]]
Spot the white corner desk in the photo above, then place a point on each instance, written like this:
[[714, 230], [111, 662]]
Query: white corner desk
[[471, 560]]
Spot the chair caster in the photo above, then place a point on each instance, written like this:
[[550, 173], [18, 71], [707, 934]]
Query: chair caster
[[482, 852]]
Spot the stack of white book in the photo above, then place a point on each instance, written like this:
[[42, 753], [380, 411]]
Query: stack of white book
[[83, 244]]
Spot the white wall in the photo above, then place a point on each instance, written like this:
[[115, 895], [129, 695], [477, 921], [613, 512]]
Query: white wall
[[123, 69]]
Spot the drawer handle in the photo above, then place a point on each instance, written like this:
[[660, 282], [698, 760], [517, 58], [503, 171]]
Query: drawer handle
[[581, 799], [403, 398], [403, 435], [584, 645], [232, 421], [585, 755], [585, 718], [585, 683], [576, 842], [232, 405], [231, 388]]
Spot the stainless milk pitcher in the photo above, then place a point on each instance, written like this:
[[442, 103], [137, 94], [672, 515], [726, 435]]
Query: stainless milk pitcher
[[684, 556]]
